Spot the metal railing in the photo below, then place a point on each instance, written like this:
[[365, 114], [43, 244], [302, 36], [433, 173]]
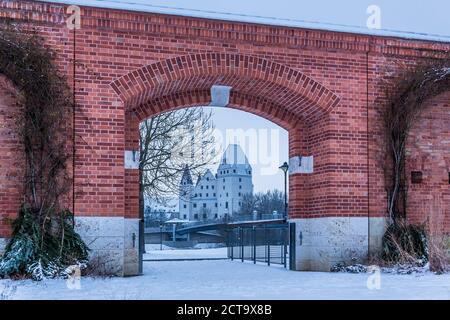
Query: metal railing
[[155, 223], [268, 244]]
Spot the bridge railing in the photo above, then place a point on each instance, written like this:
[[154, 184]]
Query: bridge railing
[[259, 243]]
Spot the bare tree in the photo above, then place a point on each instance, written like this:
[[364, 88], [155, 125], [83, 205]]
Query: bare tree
[[249, 203], [264, 203], [169, 142], [204, 214]]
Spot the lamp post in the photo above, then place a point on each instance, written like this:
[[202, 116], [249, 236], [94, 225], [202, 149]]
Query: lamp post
[[160, 235], [285, 168]]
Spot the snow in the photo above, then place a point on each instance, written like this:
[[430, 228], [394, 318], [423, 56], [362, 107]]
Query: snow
[[153, 253], [231, 280], [145, 6]]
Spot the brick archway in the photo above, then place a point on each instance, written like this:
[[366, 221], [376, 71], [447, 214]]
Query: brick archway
[[271, 90], [322, 86], [250, 75]]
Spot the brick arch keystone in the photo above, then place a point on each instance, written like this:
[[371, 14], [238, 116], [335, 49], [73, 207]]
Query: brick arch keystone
[[279, 84]]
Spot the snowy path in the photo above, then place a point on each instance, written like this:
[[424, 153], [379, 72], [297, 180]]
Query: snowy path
[[225, 279], [167, 253]]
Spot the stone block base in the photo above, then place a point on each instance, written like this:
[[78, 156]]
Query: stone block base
[[323, 242], [114, 244], [3, 243]]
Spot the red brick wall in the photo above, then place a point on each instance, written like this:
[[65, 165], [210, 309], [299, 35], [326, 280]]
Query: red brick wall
[[429, 152], [322, 86], [11, 157]]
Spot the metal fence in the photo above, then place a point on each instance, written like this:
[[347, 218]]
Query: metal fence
[[259, 243], [154, 222]]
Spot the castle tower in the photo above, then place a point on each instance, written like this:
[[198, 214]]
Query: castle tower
[[186, 187], [234, 179]]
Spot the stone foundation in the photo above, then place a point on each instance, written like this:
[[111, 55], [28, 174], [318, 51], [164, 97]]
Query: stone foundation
[[324, 242], [114, 244], [377, 227], [3, 243]]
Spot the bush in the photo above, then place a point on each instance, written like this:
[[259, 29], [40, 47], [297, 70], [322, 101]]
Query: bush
[[405, 243], [41, 249]]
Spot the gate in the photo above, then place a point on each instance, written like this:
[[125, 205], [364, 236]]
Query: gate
[[266, 243]]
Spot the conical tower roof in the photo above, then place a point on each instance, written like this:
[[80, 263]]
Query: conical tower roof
[[186, 175], [234, 155]]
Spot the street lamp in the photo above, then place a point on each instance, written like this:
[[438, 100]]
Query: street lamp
[[160, 235], [285, 168]]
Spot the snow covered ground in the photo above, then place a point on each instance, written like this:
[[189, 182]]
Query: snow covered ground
[[153, 252], [233, 280]]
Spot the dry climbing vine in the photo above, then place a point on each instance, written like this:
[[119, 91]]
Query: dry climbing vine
[[406, 97], [44, 240]]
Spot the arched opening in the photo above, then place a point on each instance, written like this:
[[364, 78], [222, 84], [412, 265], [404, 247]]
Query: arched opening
[[203, 168], [279, 93], [273, 91]]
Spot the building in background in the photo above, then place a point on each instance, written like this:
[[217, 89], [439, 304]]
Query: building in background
[[220, 195]]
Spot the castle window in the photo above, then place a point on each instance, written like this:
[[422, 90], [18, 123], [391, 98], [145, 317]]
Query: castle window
[[223, 180], [195, 216], [207, 179], [207, 195], [226, 205], [184, 216], [204, 205], [215, 204], [227, 194], [204, 216], [228, 171], [184, 206], [239, 194], [195, 205], [240, 179], [215, 216], [223, 187], [234, 170], [240, 187], [200, 194], [239, 203], [201, 187], [214, 194], [249, 172], [207, 187], [212, 187], [195, 194]]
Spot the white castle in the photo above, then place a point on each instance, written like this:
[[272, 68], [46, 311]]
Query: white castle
[[220, 195]]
